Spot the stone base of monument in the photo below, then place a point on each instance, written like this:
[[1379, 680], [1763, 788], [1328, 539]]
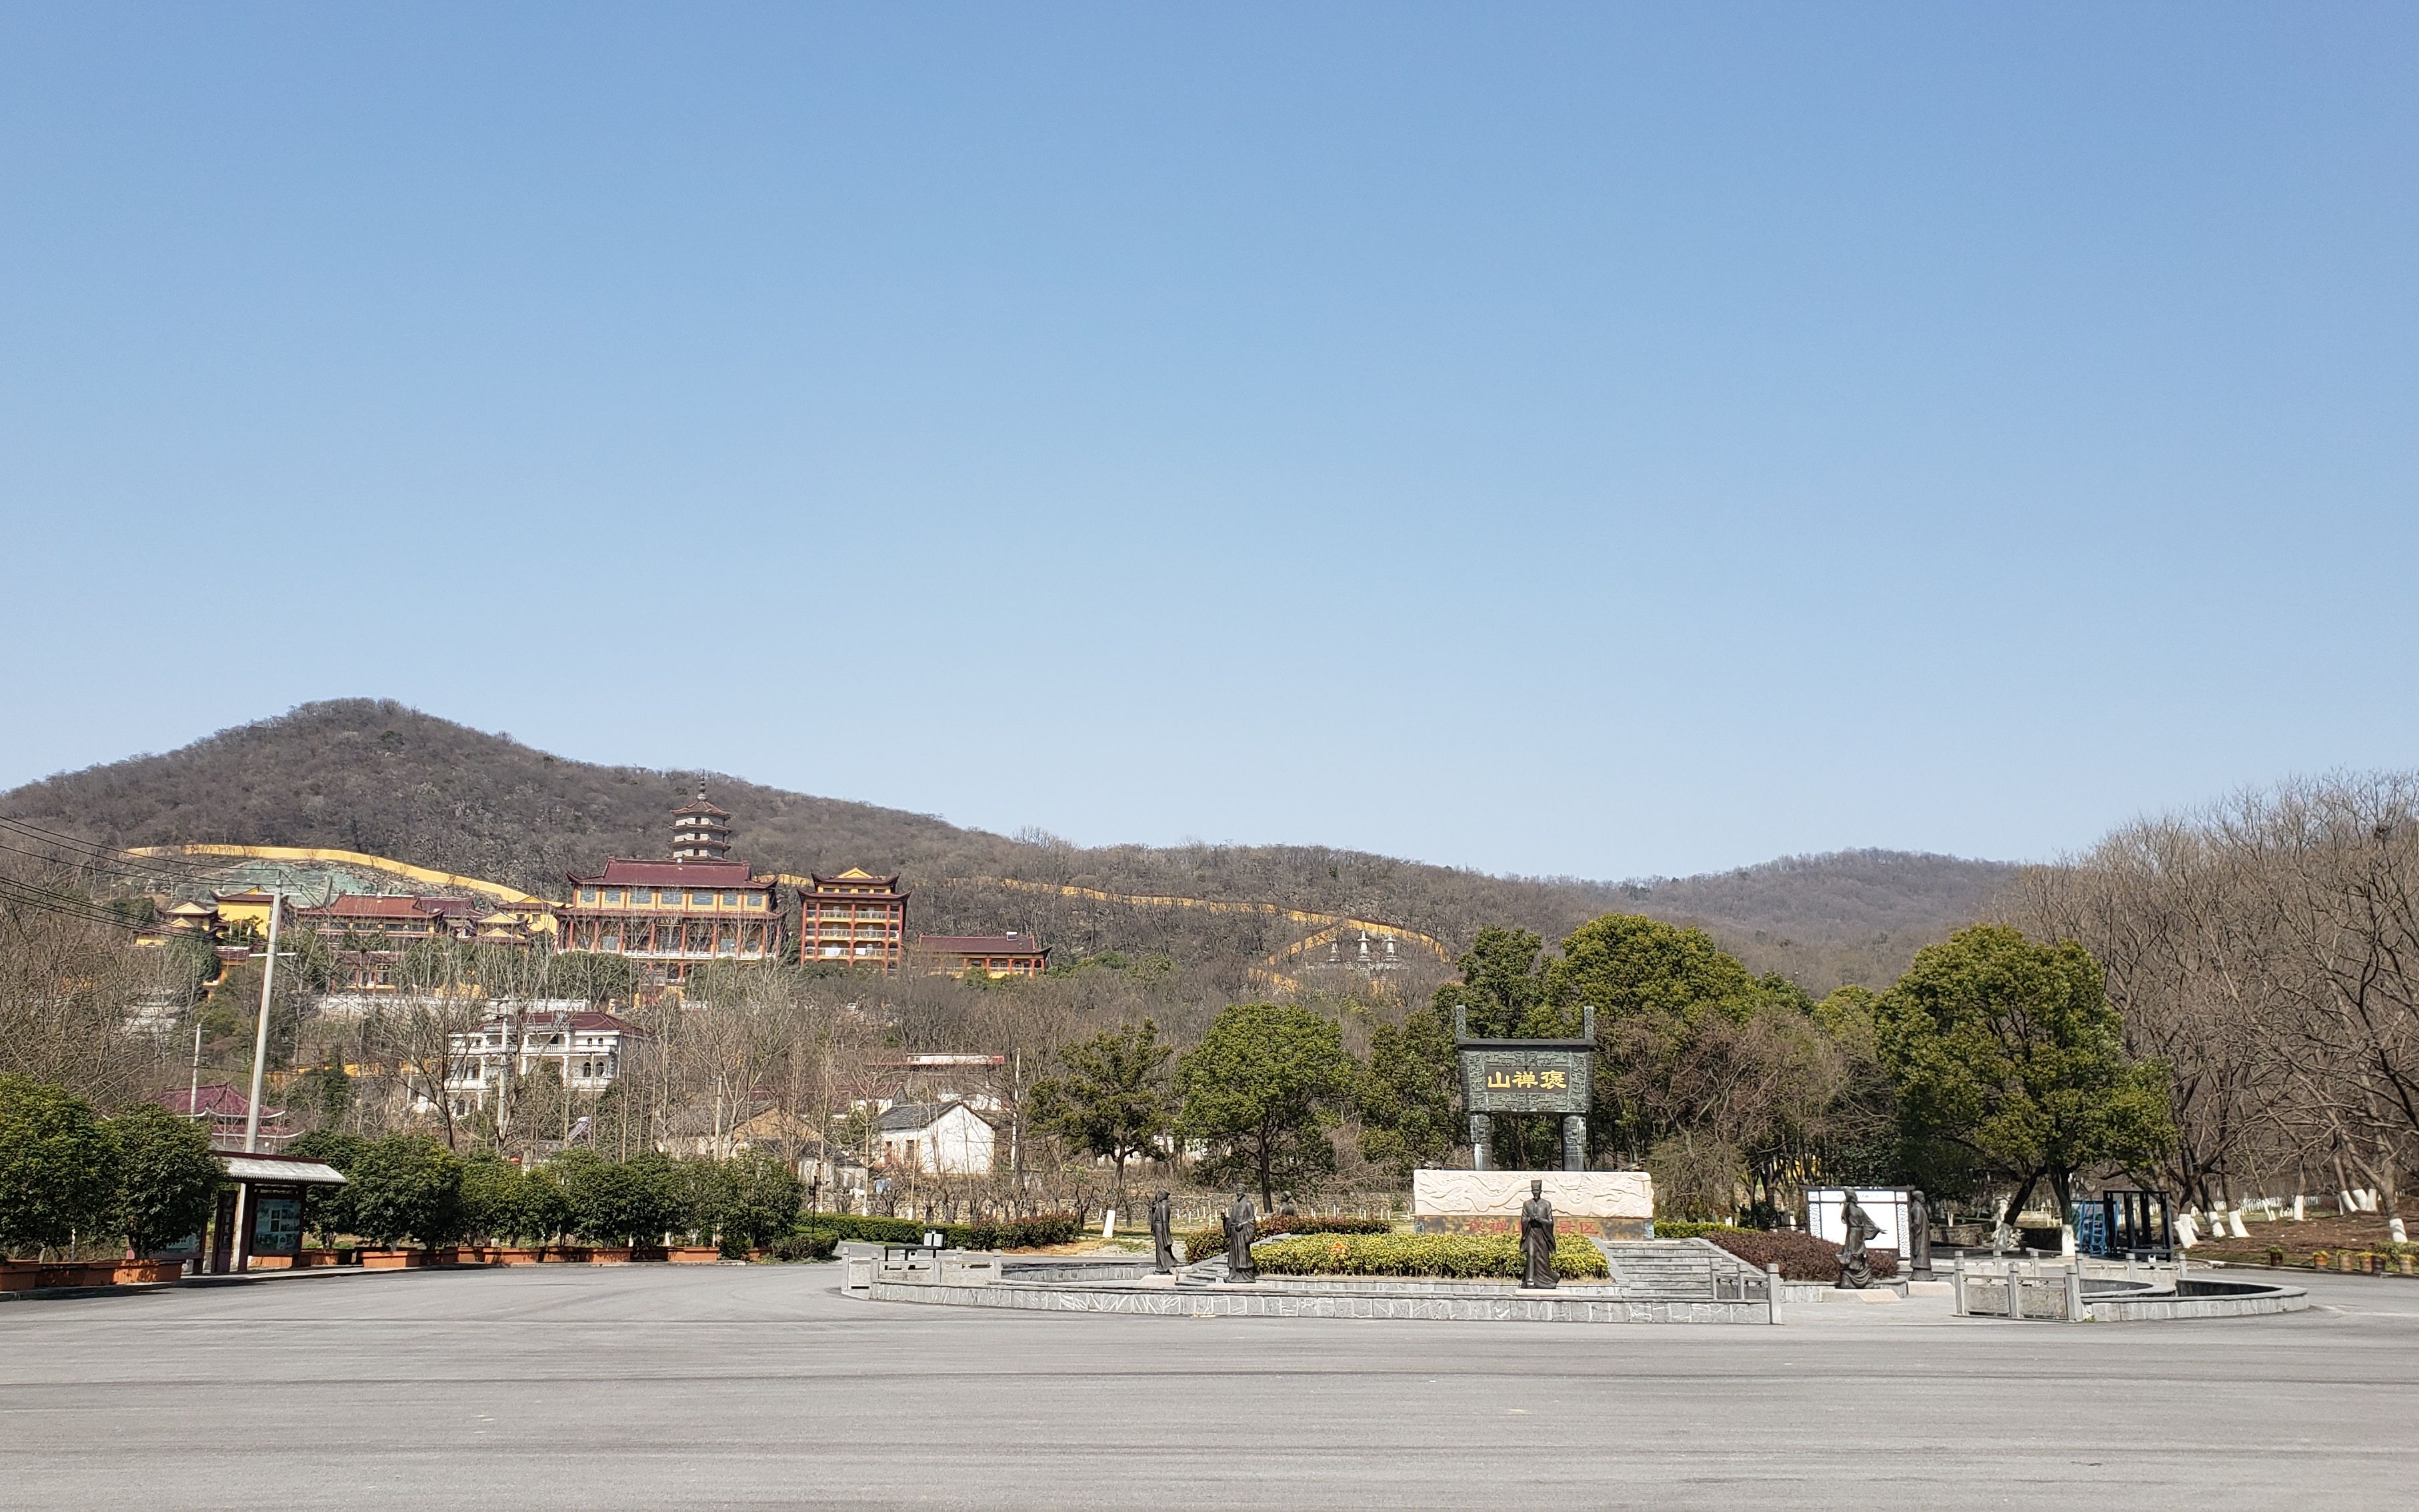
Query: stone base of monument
[[1595, 1204]]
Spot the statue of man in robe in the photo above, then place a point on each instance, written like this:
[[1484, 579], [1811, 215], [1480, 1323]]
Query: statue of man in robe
[[1537, 1239], [1243, 1226], [1856, 1266], [1163, 1234]]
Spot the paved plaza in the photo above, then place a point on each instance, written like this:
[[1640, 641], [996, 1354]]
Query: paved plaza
[[726, 1386]]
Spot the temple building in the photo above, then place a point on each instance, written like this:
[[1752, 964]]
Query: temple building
[[994, 955], [676, 914], [855, 917]]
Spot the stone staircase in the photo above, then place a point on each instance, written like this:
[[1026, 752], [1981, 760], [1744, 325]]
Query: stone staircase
[[1678, 1270], [1200, 1277]]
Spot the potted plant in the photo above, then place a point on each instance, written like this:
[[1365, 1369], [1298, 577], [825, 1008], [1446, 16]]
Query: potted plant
[[168, 1181]]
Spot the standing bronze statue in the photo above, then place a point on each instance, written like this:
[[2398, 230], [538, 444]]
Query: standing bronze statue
[[1537, 1239], [1243, 1226], [1163, 1234], [1856, 1266]]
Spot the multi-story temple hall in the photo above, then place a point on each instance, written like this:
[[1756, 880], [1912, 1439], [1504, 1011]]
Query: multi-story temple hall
[[676, 914]]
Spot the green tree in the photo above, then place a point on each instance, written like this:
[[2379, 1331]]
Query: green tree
[[168, 1179], [331, 1207], [755, 1199], [1263, 1087], [1502, 989], [1112, 1099], [634, 1201], [58, 1167], [2009, 1050], [327, 1092], [499, 1200], [1411, 1113], [408, 1186]]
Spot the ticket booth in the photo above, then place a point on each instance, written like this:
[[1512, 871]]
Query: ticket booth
[[263, 1207]]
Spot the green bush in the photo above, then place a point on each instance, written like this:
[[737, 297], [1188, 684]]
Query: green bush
[[749, 1201], [635, 1201], [807, 1244], [58, 1167], [168, 1179], [501, 1201], [407, 1186], [1200, 1243], [332, 1207], [1691, 1228], [1490, 1256]]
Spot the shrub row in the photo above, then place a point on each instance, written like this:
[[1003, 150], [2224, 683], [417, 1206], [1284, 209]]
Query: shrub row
[[1800, 1255], [1200, 1243], [1691, 1228], [1006, 1233], [1490, 1256], [147, 1176]]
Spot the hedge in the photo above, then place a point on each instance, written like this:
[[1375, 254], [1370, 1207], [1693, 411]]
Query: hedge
[[808, 1245], [1800, 1255], [1200, 1243], [1492, 1256], [1007, 1233], [1691, 1228]]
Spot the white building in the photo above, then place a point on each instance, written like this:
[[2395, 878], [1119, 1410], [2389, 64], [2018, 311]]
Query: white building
[[584, 1048], [939, 1138]]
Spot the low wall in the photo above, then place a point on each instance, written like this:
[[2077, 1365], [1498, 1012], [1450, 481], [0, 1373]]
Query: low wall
[[1591, 1204], [1565, 1224], [1241, 1302]]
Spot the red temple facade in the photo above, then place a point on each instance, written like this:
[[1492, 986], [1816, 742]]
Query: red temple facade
[[856, 919], [675, 915]]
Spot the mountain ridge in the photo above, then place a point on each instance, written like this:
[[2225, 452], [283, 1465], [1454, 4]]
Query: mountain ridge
[[378, 776]]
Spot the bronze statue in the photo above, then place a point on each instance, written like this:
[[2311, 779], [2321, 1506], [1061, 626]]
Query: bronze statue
[[1243, 1226], [1855, 1268], [1918, 1235], [1537, 1238], [1163, 1234]]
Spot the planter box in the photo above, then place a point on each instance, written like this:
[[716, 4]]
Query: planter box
[[517, 1257], [145, 1272], [272, 1262], [447, 1254], [565, 1253], [18, 1276], [696, 1254], [649, 1254], [615, 1255], [394, 1259], [319, 1259]]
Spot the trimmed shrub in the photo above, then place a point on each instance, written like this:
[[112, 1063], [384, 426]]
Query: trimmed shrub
[[332, 1207], [1691, 1228], [1800, 1255], [1488, 1256], [807, 1244], [169, 1180], [58, 1168], [633, 1201], [408, 1186], [1200, 1243], [501, 1201]]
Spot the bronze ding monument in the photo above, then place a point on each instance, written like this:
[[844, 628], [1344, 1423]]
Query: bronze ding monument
[[1530, 1077]]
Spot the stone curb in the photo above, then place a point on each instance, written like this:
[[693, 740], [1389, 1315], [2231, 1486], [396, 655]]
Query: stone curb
[[1238, 1302]]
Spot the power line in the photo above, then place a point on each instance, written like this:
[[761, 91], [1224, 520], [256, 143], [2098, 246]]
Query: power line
[[96, 851], [60, 904]]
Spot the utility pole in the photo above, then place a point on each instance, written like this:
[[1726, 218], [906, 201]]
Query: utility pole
[[239, 1250]]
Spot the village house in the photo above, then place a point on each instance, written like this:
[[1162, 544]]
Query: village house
[[936, 1138]]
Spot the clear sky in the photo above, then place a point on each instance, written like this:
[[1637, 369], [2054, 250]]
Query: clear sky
[[1595, 439]]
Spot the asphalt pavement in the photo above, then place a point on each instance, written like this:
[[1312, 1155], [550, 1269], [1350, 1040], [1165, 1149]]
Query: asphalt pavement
[[659, 1386]]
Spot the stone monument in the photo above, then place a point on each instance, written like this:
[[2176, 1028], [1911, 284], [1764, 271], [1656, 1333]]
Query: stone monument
[[1163, 1234], [1550, 1077], [1243, 1226], [1537, 1239]]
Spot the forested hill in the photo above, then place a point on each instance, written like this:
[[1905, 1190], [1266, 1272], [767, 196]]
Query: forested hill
[[374, 776]]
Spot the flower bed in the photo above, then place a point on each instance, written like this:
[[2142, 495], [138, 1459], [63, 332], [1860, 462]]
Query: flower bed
[[1475, 1256]]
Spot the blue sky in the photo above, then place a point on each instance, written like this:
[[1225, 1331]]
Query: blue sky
[[1593, 439]]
